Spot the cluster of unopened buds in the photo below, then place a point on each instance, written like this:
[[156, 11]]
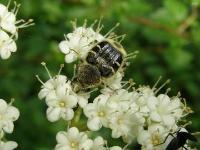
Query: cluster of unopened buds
[[8, 114], [9, 27], [132, 113]]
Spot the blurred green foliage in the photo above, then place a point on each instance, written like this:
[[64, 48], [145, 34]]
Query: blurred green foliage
[[166, 32]]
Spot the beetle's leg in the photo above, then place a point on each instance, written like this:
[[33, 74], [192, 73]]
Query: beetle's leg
[[172, 134], [185, 148]]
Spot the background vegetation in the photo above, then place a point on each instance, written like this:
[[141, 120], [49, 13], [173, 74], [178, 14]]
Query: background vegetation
[[166, 32]]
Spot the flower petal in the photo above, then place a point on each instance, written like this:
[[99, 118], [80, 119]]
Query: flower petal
[[94, 124], [53, 114]]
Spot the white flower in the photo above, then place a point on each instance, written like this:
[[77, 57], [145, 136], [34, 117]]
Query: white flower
[[73, 140], [9, 145], [119, 99], [142, 97], [98, 144], [8, 114], [61, 105], [49, 88], [165, 110], [82, 98], [114, 82], [125, 124], [151, 138], [7, 45], [7, 19], [77, 44], [97, 113]]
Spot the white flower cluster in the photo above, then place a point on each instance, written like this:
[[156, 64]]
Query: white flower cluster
[[131, 113], [75, 140], [60, 97], [161, 114], [9, 29], [77, 44], [8, 114]]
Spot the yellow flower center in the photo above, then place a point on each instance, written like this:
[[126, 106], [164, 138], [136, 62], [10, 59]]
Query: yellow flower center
[[120, 121], [73, 144], [62, 104], [155, 139], [101, 114]]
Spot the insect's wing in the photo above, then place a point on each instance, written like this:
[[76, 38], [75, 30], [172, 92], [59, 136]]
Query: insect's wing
[[173, 145]]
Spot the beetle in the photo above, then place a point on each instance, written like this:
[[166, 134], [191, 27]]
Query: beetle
[[179, 140], [103, 61]]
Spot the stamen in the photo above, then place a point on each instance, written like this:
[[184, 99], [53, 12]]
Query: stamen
[[107, 34], [187, 109], [11, 101], [167, 91], [8, 5], [131, 83], [17, 9], [74, 24], [99, 26], [26, 24], [19, 21], [38, 78], [154, 86], [118, 37], [131, 55], [92, 25], [85, 23], [162, 86], [186, 124], [44, 64], [122, 38], [61, 67], [65, 36]]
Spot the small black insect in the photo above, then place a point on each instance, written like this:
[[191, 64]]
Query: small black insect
[[179, 140], [102, 61]]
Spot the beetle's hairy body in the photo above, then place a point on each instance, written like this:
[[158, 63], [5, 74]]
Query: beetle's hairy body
[[102, 61]]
